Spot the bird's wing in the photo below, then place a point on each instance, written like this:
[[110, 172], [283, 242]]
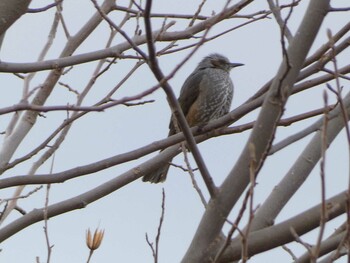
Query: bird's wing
[[190, 90], [188, 94]]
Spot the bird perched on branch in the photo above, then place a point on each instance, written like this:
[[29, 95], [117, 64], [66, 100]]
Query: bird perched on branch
[[206, 95]]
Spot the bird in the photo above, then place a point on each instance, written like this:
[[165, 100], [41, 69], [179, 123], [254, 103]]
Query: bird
[[206, 95]]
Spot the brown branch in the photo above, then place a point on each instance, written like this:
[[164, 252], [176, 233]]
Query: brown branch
[[289, 251], [117, 50], [45, 8], [174, 104], [208, 132], [323, 218], [155, 249], [193, 179], [137, 13], [247, 197], [318, 60], [44, 93], [339, 9], [261, 136], [99, 108], [307, 84], [31, 192], [70, 120], [46, 225], [215, 36], [119, 30], [161, 219], [281, 234], [276, 11], [326, 247], [196, 14], [283, 122]]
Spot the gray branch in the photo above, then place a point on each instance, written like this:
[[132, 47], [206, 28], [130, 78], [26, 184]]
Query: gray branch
[[261, 137]]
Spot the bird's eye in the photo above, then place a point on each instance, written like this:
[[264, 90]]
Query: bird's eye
[[216, 63]]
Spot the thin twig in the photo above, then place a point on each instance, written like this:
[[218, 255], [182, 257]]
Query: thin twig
[[323, 218], [339, 9], [300, 241], [26, 93], [252, 173], [150, 244], [74, 117], [155, 249], [119, 30], [193, 179], [161, 219], [247, 198], [346, 122], [45, 8], [46, 225], [196, 14], [290, 252], [36, 189], [63, 23], [112, 103], [276, 11]]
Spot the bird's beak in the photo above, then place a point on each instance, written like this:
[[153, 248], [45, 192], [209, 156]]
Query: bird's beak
[[233, 65]]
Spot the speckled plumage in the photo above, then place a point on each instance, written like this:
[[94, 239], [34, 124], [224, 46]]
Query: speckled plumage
[[205, 95]]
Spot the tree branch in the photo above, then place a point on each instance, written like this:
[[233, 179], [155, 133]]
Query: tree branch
[[261, 136]]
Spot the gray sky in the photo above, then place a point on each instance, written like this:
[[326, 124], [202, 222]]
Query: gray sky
[[129, 213]]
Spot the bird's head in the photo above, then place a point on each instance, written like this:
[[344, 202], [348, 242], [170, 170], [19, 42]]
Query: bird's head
[[218, 61]]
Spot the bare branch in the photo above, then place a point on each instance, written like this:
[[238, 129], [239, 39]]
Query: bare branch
[[339, 9], [10, 11], [276, 11], [281, 233], [193, 179], [316, 250], [117, 50], [261, 136], [299, 171], [45, 8], [155, 249], [174, 104]]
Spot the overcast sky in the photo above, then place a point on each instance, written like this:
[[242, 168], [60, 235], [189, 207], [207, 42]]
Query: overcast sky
[[134, 210]]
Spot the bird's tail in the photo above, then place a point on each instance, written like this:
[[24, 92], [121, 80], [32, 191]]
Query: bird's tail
[[157, 176]]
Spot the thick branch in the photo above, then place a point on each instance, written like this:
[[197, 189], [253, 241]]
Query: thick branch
[[60, 177], [174, 104], [261, 137], [28, 119], [117, 50], [281, 233], [10, 11], [299, 171]]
